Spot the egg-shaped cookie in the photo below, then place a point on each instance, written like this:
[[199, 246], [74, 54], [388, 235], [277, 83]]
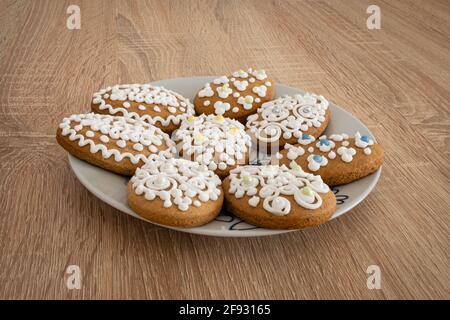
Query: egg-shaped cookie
[[235, 96], [156, 105], [219, 143], [175, 192], [278, 197], [285, 119], [117, 144], [337, 158]]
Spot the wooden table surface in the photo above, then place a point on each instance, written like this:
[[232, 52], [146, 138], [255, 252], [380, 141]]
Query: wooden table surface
[[396, 80]]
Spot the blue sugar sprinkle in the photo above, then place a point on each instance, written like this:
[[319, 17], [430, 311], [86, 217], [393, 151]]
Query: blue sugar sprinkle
[[365, 139], [305, 136], [325, 142], [317, 158]]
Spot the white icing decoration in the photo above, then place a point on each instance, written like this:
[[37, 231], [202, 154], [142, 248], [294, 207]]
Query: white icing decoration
[[290, 115], [293, 151], [121, 143], [145, 93], [246, 101], [260, 74], [221, 80], [240, 74], [315, 165], [142, 108], [367, 151], [253, 201], [206, 103], [235, 109], [272, 183], [310, 149], [224, 91], [104, 138], [332, 155], [241, 85], [221, 107], [176, 182], [207, 91], [260, 90], [346, 153], [89, 134], [222, 139], [119, 129], [360, 143]]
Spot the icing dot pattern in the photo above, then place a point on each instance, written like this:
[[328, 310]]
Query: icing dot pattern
[[233, 86], [287, 117], [146, 97], [271, 184], [120, 130], [178, 182], [335, 145], [214, 141]]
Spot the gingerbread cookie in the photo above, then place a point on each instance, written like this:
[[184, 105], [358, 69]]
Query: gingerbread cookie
[[117, 144], [278, 197], [175, 192], [215, 141], [338, 159], [158, 106], [235, 96], [284, 120]]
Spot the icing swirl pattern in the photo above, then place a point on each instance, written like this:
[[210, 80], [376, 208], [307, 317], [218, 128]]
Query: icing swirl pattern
[[287, 117], [271, 184], [177, 182]]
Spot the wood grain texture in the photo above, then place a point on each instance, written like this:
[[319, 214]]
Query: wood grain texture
[[396, 80]]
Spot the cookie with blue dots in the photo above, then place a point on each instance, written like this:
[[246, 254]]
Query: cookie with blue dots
[[285, 119], [337, 158]]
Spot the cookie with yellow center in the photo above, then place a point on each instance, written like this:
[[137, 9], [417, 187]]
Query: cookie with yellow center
[[218, 142]]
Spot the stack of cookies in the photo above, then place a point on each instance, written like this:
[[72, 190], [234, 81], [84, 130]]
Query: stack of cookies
[[188, 160]]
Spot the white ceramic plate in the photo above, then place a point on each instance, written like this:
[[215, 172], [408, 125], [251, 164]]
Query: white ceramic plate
[[112, 188]]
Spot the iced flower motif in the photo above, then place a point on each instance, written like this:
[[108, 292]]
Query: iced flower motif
[[221, 107], [206, 92], [294, 151], [260, 90], [222, 79], [224, 91], [241, 85], [316, 161], [240, 74], [346, 153], [246, 102], [324, 144], [362, 141], [305, 139], [260, 74]]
